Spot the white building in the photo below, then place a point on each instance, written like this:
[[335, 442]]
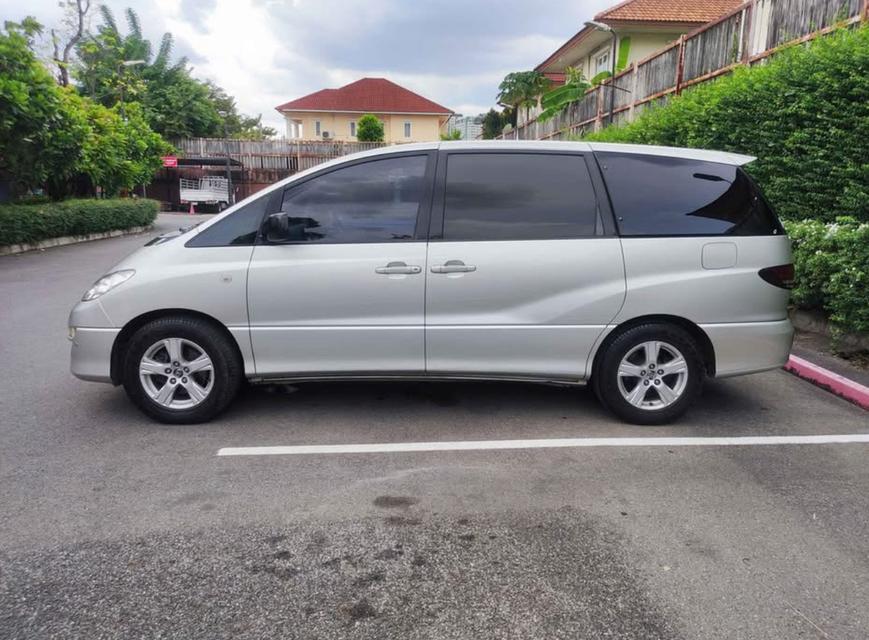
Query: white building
[[471, 127]]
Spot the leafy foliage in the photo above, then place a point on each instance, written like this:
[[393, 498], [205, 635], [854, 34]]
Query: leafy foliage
[[50, 136], [832, 269], [27, 223], [495, 121], [122, 152], [455, 134], [522, 89], [369, 129], [41, 134], [175, 103], [624, 53], [237, 125], [573, 89], [804, 114]]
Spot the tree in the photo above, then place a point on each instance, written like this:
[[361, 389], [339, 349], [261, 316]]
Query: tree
[[493, 124], [175, 103], [123, 151], [235, 124], [50, 135], [522, 89], [455, 134], [41, 135], [572, 90], [369, 129], [75, 12]]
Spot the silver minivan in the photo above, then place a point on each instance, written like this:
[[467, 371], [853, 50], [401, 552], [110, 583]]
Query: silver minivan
[[639, 270]]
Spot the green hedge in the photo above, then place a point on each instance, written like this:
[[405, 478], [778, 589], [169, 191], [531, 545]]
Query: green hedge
[[27, 223], [832, 269], [804, 114]]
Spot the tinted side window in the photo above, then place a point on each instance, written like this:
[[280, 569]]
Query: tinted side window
[[376, 201], [654, 195], [518, 196], [238, 228]]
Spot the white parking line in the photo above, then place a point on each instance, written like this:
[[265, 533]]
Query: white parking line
[[548, 443]]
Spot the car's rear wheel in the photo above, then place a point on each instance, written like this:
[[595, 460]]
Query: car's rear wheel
[[650, 374], [181, 370]]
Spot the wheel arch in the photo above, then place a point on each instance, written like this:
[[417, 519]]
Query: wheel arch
[[707, 350], [123, 337]]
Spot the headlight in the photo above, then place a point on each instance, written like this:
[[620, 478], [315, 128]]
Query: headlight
[[107, 283]]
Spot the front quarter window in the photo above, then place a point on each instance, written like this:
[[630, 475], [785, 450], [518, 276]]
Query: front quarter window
[[239, 228]]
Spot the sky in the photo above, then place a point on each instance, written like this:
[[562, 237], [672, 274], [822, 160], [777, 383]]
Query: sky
[[266, 52]]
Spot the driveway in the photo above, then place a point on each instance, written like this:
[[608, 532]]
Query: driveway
[[115, 526]]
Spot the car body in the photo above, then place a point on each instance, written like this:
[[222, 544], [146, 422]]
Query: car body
[[494, 260]]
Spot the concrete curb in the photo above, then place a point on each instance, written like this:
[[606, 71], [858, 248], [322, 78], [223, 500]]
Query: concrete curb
[[10, 249], [832, 382]]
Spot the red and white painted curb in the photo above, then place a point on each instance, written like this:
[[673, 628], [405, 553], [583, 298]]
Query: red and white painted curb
[[832, 382]]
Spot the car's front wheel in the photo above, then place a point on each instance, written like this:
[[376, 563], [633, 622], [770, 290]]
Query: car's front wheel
[[650, 374], [181, 370]]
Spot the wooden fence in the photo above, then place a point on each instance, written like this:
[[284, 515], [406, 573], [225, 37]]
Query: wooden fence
[[286, 155], [255, 164], [747, 35]]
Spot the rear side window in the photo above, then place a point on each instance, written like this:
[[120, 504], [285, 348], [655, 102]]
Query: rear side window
[[375, 201], [662, 196], [238, 228], [518, 196]]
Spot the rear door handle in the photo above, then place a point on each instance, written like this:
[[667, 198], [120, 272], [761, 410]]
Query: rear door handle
[[453, 266], [398, 267]]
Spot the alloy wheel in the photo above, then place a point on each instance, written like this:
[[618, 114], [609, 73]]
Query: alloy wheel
[[176, 373], [652, 375]]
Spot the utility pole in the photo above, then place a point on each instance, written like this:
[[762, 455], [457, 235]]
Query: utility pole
[[600, 26]]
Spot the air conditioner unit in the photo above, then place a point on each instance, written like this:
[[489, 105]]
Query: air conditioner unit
[[325, 135]]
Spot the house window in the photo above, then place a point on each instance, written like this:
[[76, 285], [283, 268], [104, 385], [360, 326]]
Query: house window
[[602, 61], [406, 129], [317, 128], [294, 129], [352, 128]]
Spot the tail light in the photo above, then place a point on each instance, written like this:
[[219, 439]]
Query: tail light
[[779, 276]]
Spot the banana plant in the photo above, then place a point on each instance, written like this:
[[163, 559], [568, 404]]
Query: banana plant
[[573, 89], [621, 62]]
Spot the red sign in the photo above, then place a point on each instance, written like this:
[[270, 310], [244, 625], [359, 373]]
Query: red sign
[[170, 161]]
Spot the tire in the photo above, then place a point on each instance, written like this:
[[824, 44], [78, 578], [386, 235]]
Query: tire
[[637, 393], [196, 393]]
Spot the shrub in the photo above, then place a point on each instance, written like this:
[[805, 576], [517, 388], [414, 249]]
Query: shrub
[[804, 114], [832, 269], [27, 223], [369, 129]]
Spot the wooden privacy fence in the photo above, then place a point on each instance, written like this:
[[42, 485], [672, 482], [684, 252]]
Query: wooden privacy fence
[[283, 155], [255, 164], [747, 35]]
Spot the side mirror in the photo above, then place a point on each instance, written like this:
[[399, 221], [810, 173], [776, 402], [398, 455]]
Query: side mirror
[[278, 228]]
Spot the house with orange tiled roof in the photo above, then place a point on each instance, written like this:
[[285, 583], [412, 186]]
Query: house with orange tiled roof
[[639, 28], [333, 113]]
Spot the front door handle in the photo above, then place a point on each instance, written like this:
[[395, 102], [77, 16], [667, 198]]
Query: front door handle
[[453, 266], [398, 267]]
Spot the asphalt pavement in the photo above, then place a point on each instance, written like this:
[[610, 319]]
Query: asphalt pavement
[[113, 526]]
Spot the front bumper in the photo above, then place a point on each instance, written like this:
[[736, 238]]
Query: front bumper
[[749, 347], [91, 355]]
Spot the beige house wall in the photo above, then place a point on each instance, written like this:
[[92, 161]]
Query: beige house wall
[[643, 44], [303, 125]]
